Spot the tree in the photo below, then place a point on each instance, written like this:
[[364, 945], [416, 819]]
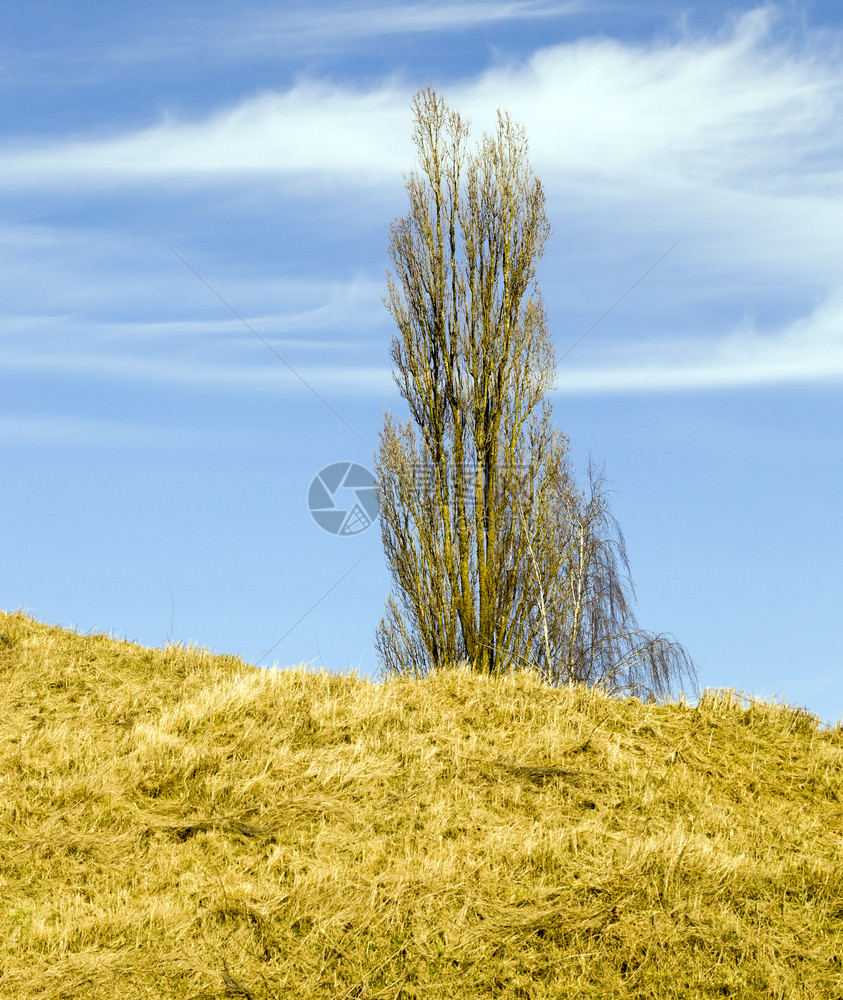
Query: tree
[[496, 556]]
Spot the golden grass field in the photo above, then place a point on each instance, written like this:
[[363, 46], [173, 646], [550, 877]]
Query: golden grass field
[[180, 824]]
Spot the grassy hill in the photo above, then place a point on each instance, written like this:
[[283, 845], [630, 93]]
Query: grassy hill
[[179, 824]]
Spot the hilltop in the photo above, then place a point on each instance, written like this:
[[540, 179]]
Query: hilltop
[[180, 824]]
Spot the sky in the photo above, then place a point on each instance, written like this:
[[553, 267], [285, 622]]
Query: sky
[[194, 210]]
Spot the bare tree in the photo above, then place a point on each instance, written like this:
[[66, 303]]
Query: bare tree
[[497, 557]]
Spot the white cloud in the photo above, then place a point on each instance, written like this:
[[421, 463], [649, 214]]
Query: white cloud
[[268, 375], [738, 111], [342, 24], [312, 129], [27, 430], [807, 350], [99, 287], [733, 141], [315, 28], [230, 358]]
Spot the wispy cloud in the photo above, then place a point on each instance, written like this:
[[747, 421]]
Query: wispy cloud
[[26, 430], [809, 350], [192, 34], [317, 28], [346, 380], [732, 110], [313, 128], [734, 140], [741, 109], [90, 286], [349, 22]]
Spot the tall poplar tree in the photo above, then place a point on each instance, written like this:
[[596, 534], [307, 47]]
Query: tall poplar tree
[[497, 557]]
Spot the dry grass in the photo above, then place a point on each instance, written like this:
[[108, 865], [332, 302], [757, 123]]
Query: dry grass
[[179, 824]]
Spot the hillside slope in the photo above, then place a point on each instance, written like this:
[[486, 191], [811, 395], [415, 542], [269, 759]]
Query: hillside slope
[[179, 824]]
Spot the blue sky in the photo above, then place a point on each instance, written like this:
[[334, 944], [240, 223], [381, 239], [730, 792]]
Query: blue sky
[[155, 457]]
